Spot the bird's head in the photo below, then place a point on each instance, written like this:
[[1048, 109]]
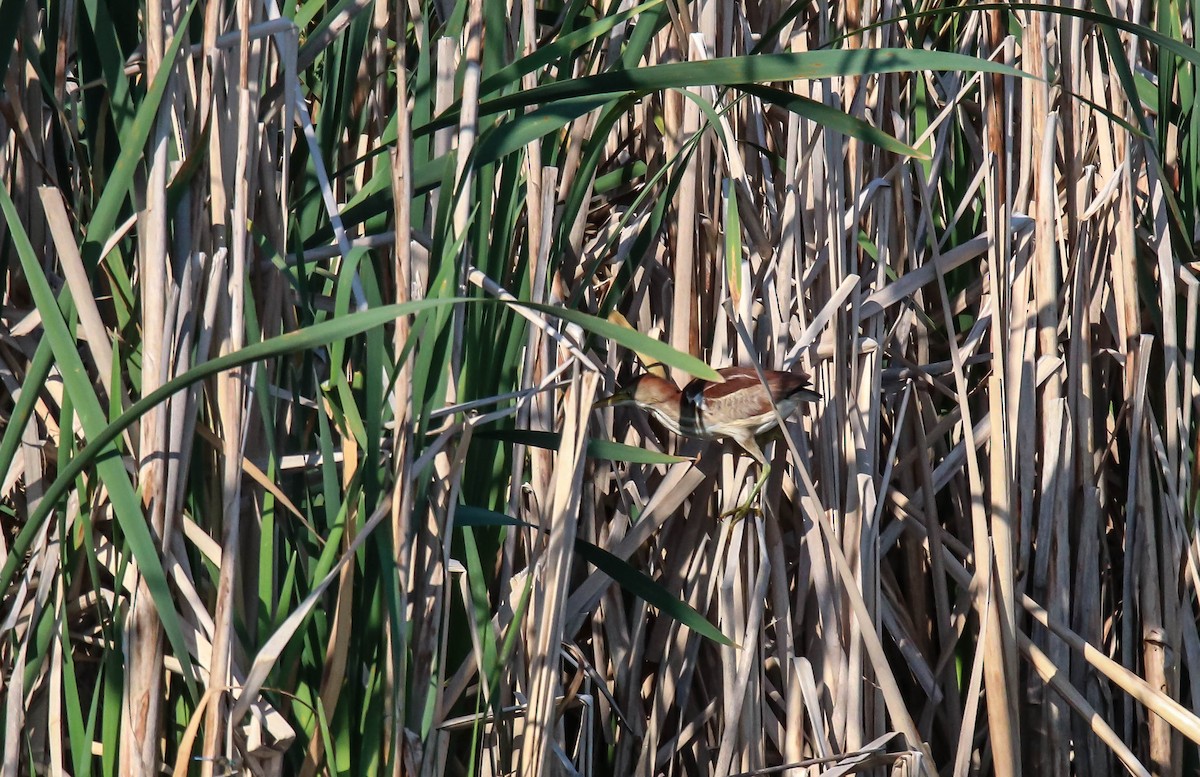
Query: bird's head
[[645, 390]]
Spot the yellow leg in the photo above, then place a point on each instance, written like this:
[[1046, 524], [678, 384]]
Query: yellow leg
[[744, 509], [762, 480]]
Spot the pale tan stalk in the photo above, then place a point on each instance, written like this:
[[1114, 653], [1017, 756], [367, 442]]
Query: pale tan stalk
[[981, 537], [539, 354], [1000, 668], [230, 393], [401, 400], [543, 672], [144, 651], [1051, 674], [683, 257], [743, 662]]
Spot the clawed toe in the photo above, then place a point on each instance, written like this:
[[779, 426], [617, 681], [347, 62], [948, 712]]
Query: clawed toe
[[739, 512]]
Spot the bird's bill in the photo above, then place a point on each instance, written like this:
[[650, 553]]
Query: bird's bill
[[616, 398]]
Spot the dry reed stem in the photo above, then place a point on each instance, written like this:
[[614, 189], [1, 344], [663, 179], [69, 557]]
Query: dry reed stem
[[1002, 464]]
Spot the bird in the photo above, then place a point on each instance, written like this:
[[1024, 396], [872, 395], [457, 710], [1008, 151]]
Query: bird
[[739, 407]]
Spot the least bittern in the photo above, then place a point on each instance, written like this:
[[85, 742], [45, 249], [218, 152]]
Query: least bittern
[[740, 408]]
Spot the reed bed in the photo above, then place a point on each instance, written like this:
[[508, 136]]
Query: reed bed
[[305, 309]]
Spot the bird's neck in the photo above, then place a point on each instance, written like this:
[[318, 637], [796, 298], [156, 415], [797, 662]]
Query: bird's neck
[[682, 416], [669, 421]]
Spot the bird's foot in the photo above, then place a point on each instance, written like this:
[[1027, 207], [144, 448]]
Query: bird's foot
[[736, 514]]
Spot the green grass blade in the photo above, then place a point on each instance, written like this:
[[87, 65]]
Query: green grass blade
[[632, 580], [596, 449], [126, 505], [734, 71]]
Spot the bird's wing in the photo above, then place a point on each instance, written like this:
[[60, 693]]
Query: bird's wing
[[783, 384]]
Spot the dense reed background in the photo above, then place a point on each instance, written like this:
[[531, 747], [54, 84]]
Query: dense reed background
[[275, 501]]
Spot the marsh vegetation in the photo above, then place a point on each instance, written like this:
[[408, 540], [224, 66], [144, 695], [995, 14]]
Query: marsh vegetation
[[304, 310]]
